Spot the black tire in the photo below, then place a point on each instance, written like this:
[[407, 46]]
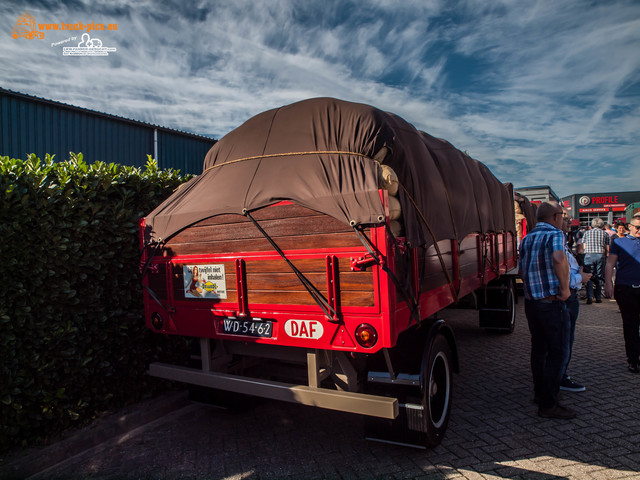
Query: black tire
[[511, 301], [500, 314], [511, 305], [437, 392]]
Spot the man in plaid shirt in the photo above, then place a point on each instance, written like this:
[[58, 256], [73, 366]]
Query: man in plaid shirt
[[596, 248], [544, 269]]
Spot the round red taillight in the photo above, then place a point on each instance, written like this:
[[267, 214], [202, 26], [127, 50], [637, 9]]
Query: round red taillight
[[366, 335], [156, 321]]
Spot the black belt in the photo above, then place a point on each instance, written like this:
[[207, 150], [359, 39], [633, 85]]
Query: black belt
[[549, 299]]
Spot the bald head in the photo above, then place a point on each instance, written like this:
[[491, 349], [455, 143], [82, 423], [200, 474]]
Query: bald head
[[547, 212]]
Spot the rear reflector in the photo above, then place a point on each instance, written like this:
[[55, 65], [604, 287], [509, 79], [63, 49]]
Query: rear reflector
[[366, 335], [156, 321]]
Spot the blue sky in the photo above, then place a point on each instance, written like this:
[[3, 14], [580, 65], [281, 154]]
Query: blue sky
[[542, 92]]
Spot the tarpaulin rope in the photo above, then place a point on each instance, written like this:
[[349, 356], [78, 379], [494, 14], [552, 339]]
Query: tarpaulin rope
[[435, 244], [329, 311], [143, 272], [407, 297], [288, 154]]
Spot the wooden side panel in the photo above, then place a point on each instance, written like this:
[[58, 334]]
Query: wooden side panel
[[307, 241], [430, 264], [271, 281], [292, 228]]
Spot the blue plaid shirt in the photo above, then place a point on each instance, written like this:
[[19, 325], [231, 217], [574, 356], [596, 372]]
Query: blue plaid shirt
[[536, 260]]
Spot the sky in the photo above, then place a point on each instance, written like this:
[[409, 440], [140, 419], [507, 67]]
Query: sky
[[543, 92]]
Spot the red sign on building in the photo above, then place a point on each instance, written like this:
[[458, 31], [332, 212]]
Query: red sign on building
[[593, 210]]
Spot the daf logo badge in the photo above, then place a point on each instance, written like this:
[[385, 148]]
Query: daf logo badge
[[584, 201]]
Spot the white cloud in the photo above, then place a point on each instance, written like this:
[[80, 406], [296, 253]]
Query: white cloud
[[550, 84]]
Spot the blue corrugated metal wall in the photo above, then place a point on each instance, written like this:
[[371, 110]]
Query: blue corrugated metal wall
[[33, 125], [183, 152]]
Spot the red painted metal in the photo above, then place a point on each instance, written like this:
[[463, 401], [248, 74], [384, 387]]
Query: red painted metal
[[389, 314], [360, 264], [333, 286], [241, 287]]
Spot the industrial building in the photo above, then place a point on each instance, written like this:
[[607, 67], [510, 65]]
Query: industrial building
[[31, 124], [610, 206], [584, 207], [541, 193]]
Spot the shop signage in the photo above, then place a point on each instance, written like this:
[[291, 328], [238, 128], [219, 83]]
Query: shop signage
[[605, 199], [584, 201]]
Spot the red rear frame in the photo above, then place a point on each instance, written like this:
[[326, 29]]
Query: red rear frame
[[486, 257]]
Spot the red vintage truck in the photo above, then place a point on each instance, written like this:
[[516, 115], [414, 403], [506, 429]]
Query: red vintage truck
[[312, 255]]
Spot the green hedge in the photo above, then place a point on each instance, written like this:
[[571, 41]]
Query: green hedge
[[72, 335]]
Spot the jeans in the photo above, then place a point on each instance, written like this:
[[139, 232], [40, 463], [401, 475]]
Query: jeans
[[597, 262], [550, 329], [573, 307], [628, 299]]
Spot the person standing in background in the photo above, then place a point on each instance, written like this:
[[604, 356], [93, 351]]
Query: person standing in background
[[621, 231], [576, 278], [596, 247], [544, 269], [626, 251], [609, 229], [579, 246]]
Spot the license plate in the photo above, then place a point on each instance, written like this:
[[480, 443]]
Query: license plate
[[255, 327]]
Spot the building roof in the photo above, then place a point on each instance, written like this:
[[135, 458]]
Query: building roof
[[100, 114]]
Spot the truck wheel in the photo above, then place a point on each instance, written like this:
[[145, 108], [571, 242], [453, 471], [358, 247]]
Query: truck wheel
[[498, 313], [511, 302], [437, 390], [426, 358], [510, 314]]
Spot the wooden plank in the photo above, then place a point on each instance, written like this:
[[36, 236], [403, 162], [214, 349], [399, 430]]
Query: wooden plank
[[290, 282], [322, 241], [267, 213], [276, 228], [347, 299], [278, 265], [305, 265], [356, 281]]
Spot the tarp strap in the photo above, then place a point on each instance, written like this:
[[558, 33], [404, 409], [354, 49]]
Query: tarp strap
[[287, 154], [446, 192], [329, 311], [435, 245], [407, 296]]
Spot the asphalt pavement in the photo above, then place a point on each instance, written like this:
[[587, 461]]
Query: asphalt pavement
[[494, 432]]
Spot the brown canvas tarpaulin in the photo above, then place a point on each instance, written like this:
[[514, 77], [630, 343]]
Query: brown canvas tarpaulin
[[319, 153]]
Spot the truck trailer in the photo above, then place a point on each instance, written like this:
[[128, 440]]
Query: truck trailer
[[311, 257]]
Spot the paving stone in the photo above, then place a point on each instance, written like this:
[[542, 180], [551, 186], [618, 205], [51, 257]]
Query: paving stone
[[494, 432]]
